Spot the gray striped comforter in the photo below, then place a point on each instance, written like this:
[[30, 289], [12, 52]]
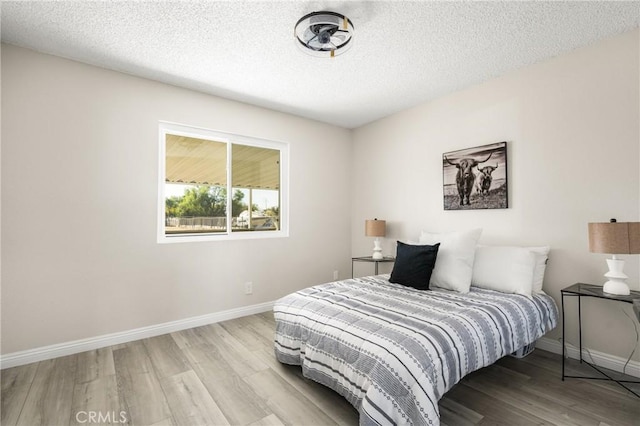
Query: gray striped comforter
[[393, 351]]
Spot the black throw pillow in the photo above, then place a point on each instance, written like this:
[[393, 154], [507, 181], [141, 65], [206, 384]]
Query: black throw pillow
[[414, 264]]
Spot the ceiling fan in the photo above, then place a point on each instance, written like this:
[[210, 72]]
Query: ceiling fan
[[324, 34]]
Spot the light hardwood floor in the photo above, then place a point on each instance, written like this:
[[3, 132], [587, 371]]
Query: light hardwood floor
[[226, 373]]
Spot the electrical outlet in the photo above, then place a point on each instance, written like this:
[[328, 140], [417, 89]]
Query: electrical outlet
[[248, 287], [335, 275]]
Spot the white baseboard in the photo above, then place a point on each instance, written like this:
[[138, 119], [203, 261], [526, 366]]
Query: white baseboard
[[600, 359], [69, 348]]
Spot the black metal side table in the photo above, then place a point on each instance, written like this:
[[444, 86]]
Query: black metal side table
[[581, 290], [385, 259]]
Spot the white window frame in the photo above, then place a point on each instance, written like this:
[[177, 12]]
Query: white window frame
[[228, 138]]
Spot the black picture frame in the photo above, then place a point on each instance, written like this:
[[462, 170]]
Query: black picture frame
[[484, 169]]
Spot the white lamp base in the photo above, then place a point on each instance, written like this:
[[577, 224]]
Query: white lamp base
[[616, 283], [616, 287], [377, 250]]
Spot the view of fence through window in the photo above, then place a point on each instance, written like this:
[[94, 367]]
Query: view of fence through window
[[200, 199]]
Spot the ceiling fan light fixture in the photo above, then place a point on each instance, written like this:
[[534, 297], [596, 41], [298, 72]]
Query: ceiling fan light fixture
[[324, 34]]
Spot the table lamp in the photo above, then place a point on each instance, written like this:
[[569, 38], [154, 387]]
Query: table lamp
[[615, 238], [375, 228]]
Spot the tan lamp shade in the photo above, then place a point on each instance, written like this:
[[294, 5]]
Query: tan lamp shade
[[375, 228], [614, 237]]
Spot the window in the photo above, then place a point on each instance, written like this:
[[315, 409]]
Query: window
[[216, 186]]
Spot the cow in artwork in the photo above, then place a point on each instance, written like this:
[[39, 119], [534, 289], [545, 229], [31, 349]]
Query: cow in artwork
[[484, 179], [465, 177]]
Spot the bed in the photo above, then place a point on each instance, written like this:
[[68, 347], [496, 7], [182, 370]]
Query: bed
[[393, 351]]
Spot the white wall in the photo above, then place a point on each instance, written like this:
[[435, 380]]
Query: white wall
[[79, 197], [572, 127]]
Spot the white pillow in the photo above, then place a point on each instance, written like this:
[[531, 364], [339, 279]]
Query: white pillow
[[541, 254], [505, 269], [454, 264]]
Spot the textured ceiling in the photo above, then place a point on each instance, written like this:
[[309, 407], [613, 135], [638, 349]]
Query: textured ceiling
[[404, 53]]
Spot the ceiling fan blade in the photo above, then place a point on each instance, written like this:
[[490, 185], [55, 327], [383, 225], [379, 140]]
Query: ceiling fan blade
[[329, 28]]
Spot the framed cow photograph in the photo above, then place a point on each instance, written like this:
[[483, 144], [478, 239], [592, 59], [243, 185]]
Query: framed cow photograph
[[475, 178]]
